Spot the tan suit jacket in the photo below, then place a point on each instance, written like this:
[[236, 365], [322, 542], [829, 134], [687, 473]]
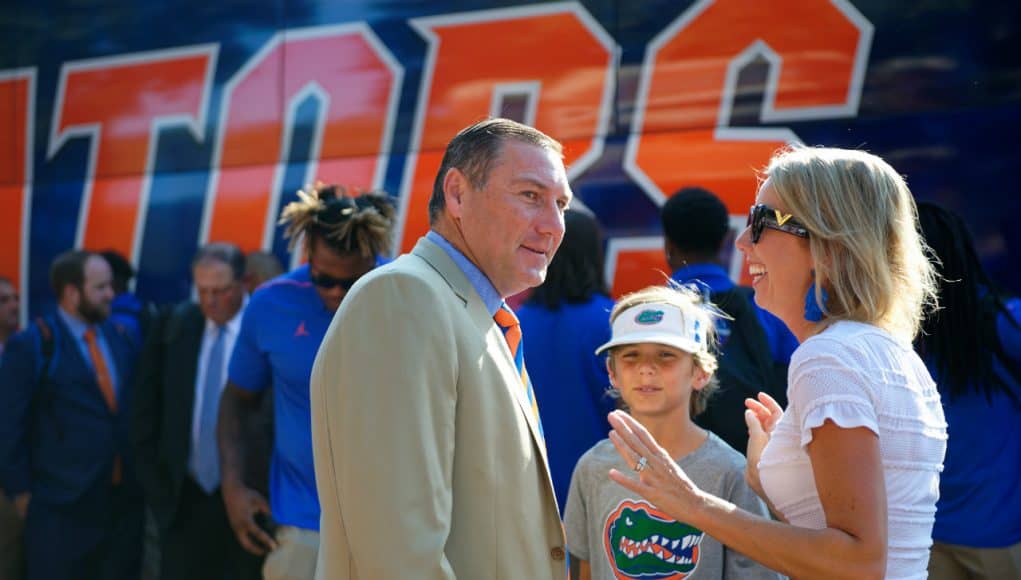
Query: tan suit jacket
[[428, 461]]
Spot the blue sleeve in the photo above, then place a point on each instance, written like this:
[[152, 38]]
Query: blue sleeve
[[249, 367], [1009, 330], [597, 378], [18, 377], [782, 343]]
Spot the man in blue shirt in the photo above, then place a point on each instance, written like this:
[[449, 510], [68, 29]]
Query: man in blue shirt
[[280, 334], [65, 403], [756, 345]]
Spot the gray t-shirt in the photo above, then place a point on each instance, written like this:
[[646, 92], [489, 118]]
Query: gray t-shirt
[[622, 535]]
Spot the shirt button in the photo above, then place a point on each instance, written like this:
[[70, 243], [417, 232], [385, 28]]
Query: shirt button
[[557, 553]]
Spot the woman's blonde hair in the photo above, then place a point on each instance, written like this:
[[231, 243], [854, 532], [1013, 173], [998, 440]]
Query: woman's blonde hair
[[685, 299], [863, 226]]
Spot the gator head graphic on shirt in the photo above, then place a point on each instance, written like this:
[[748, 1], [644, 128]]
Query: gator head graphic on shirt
[[644, 543]]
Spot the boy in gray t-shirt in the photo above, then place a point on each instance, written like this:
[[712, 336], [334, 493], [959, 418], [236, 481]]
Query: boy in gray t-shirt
[[661, 366]]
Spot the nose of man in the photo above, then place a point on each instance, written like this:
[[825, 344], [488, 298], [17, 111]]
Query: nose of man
[[550, 223]]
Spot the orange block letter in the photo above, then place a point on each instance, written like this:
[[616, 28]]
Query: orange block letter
[[120, 103], [17, 105], [817, 51], [555, 57], [356, 82]]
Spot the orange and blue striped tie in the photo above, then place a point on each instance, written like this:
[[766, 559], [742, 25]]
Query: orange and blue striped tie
[[505, 318]]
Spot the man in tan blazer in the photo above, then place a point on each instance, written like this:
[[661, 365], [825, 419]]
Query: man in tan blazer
[[429, 456]]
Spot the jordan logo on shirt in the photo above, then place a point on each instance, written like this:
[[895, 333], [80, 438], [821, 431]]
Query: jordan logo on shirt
[[301, 329], [644, 543]]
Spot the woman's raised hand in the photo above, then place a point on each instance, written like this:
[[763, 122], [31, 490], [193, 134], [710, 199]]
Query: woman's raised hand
[[761, 416], [659, 479]]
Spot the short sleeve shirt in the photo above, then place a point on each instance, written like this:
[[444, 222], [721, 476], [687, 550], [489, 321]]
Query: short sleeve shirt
[[858, 375], [283, 325], [623, 536]]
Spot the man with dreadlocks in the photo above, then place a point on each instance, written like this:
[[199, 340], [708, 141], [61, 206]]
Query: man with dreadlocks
[[345, 237]]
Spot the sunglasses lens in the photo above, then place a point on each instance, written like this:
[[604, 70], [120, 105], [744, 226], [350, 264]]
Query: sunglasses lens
[[329, 282], [755, 222]]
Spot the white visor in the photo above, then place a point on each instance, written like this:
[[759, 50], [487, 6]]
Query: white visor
[[684, 328]]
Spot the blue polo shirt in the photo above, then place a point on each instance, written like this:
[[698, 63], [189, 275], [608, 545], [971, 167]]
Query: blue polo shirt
[[280, 334], [781, 341]]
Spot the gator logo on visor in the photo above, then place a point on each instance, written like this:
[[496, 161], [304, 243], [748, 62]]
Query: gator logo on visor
[[649, 317], [644, 543]]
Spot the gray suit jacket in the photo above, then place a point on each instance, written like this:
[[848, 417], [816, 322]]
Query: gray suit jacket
[[428, 461]]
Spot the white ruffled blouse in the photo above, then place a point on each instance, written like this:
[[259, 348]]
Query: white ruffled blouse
[[858, 375]]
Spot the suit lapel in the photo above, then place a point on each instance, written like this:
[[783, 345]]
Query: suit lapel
[[187, 352], [70, 348], [436, 257]]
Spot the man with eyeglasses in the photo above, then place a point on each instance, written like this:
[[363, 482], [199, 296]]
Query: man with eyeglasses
[[181, 376], [344, 237]]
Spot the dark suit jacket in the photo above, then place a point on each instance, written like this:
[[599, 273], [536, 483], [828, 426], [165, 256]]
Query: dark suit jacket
[[58, 438], [161, 429], [164, 409]]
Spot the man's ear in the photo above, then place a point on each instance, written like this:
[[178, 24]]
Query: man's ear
[[455, 185], [669, 250], [71, 294]]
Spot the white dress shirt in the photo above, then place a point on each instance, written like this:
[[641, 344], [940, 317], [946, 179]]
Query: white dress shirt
[[231, 330]]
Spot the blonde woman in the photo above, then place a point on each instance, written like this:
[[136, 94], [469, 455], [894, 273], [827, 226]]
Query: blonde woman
[[851, 468]]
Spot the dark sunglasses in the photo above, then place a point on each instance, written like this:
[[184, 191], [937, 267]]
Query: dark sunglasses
[[327, 282], [762, 216]]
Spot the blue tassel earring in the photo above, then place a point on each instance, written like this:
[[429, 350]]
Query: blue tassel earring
[[813, 313]]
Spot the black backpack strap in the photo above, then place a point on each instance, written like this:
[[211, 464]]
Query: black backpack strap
[[745, 325], [45, 396], [46, 344], [746, 368]]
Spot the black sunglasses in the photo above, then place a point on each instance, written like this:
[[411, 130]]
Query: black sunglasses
[[762, 216], [327, 282]]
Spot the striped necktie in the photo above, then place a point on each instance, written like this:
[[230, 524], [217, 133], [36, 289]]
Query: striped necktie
[[505, 318]]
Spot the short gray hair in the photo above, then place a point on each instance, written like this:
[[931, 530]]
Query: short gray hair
[[222, 252]]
